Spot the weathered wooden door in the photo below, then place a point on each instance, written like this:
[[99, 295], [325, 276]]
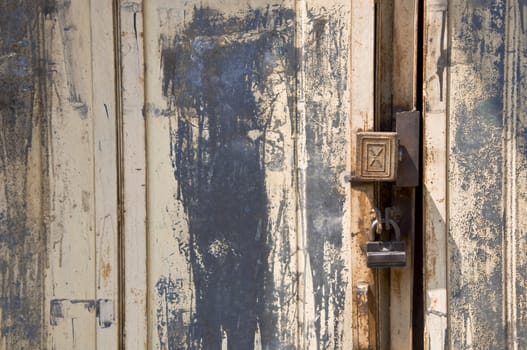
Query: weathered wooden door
[[175, 173], [254, 238], [475, 173], [248, 137]]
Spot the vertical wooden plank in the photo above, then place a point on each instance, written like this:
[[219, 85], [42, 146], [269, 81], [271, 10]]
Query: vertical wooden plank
[[332, 267], [105, 173], [479, 251], [361, 198], [515, 173], [511, 110], [23, 126], [221, 153], [405, 16], [170, 284], [133, 173], [70, 275], [306, 309], [434, 174]]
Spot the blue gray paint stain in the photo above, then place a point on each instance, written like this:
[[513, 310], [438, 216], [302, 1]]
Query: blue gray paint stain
[[327, 122], [220, 170], [479, 38], [22, 83], [221, 176]]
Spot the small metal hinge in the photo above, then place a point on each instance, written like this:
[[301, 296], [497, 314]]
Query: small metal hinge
[[70, 308]]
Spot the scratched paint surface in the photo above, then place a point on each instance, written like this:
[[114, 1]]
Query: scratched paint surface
[[57, 195], [486, 175], [327, 121], [21, 119], [220, 161], [228, 81]]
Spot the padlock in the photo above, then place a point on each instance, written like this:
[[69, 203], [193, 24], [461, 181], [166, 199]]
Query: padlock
[[385, 254]]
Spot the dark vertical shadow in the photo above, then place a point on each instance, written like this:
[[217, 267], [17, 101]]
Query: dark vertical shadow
[[418, 302]]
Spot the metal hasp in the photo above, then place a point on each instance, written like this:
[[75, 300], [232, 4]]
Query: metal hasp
[[390, 156], [408, 133], [385, 254]]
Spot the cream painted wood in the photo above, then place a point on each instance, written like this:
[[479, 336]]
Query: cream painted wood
[[110, 156], [81, 157], [105, 173], [434, 176], [168, 236], [361, 202], [133, 175], [327, 44], [71, 238], [480, 98]]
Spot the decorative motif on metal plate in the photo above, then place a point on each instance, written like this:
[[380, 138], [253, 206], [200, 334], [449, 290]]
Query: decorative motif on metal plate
[[376, 156]]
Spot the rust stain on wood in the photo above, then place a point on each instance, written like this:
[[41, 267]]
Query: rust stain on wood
[[106, 270]]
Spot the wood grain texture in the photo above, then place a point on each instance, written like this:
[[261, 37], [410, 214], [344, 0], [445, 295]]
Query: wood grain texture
[[105, 173], [515, 126], [70, 272]]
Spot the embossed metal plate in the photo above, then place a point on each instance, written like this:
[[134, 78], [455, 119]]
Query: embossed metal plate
[[376, 156]]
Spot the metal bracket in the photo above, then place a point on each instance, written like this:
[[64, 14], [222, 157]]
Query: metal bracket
[[390, 156]]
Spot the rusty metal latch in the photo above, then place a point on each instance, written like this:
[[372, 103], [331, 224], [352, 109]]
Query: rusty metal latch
[[390, 156]]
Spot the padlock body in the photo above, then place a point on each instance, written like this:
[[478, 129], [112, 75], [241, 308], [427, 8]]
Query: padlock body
[[385, 254]]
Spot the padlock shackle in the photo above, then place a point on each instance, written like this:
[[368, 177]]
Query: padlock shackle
[[395, 228], [373, 229], [390, 222]]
